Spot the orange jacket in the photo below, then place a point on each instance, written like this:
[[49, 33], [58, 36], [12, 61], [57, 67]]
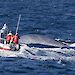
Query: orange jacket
[[16, 39], [8, 37], [12, 38]]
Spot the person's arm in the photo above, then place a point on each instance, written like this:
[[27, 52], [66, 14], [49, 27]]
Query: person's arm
[[18, 36]]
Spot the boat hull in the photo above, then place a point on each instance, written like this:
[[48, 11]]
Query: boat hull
[[4, 47]]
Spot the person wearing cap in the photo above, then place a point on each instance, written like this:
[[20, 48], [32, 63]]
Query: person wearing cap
[[16, 38], [9, 38], [4, 31]]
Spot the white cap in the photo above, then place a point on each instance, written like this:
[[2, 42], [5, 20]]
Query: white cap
[[10, 34], [5, 26]]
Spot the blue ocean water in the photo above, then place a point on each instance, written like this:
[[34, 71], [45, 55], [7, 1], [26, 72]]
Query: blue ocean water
[[53, 18]]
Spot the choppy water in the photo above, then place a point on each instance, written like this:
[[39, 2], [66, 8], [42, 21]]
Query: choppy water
[[54, 18]]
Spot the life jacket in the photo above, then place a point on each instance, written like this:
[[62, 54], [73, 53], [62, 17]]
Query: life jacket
[[12, 38], [16, 39], [8, 38]]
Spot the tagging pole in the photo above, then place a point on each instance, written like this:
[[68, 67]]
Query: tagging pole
[[18, 23]]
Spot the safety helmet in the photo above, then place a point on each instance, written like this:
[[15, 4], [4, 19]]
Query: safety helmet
[[10, 34]]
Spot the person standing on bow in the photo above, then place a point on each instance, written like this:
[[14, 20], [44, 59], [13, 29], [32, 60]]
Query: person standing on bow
[[16, 39]]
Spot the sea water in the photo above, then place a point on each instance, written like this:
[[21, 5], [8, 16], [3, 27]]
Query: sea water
[[52, 18]]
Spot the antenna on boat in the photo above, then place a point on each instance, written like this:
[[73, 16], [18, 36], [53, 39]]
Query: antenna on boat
[[18, 23]]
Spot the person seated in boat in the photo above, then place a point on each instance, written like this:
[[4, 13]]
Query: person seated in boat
[[9, 38], [16, 39]]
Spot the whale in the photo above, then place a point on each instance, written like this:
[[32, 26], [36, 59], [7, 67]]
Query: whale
[[40, 39]]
